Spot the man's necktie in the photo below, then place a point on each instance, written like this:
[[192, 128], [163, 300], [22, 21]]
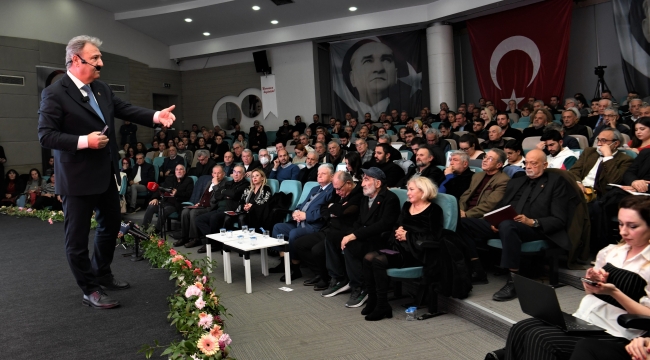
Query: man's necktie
[[93, 102], [600, 121], [306, 206]]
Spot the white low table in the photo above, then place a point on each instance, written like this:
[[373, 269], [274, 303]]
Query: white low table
[[230, 243]]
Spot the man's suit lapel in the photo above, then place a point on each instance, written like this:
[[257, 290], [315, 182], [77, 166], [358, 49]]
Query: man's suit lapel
[[375, 204], [75, 94], [541, 184]]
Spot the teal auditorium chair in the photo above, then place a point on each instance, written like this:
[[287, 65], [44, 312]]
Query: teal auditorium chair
[[270, 136], [293, 187], [274, 184], [520, 125], [305, 190], [449, 206], [476, 169]]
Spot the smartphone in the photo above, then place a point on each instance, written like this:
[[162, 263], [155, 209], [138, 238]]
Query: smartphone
[[590, 282], [104, 131], [389, 252]]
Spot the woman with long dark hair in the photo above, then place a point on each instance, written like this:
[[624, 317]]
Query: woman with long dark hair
[[641, 135], [353, 165]]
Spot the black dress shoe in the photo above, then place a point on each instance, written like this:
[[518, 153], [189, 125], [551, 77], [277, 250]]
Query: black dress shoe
[[506, 293], [193, 243], [180, 242], [99, 300], [202, 250], [313, 281], [279, 268], [496, 355], [295, 274], [111, 283], [322, 285], [479, 278], [380, 312]]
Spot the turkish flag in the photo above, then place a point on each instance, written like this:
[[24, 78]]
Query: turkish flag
[[522, 52]]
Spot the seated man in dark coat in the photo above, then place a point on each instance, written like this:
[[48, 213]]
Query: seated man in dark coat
[[169, 165], [425, 166], [142, 174], [181, 189], [384, 162], [204, 165], [458, 175], [541, 199]]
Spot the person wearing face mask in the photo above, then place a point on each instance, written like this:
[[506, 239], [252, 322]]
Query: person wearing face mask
[[265, 160]]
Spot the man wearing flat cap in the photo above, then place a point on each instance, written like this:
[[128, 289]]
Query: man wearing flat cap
[[377, 215]]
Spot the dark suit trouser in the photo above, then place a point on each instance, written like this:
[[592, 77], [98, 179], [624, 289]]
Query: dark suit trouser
[[188, 222], [511, 233], [346, 263], [211, 222], [595, 349], [311, 251], [154, 209], [78, 211]]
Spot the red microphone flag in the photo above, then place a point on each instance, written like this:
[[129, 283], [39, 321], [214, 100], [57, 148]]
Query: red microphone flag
[[152, 186], [522, 53]]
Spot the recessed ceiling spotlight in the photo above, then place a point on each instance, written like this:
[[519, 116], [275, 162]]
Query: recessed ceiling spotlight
[[206, 33], [353, 8], [188, 20], [274, 22], [256, 7]]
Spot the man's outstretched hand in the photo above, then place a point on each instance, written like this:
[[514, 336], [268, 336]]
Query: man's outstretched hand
[[166, 117]]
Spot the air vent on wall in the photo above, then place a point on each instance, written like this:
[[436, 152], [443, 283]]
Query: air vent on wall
[[282, 2], [118, 88], [12, 80]]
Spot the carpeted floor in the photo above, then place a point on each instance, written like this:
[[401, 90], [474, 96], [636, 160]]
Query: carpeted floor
[[41, 304]]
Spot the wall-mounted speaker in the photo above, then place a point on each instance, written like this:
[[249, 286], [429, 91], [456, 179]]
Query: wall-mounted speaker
[[261, 62]]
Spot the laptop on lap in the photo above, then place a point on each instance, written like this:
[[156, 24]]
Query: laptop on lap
[[540, 301]]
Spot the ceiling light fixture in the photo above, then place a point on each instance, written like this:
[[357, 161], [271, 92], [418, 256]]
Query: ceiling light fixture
[[188, 20], [206, 33], [274, 22], [353, 8], [256, 7]]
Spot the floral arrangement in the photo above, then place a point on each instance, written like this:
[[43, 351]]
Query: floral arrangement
[[195, 309], [45, 215]]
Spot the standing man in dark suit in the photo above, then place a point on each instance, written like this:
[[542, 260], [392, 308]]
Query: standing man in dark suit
[[541, 199], [73, 112]]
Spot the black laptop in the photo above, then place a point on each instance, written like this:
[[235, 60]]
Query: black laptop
[[540, 301]]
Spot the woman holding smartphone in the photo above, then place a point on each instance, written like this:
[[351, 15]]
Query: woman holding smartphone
[[620, 286], [420, 220]]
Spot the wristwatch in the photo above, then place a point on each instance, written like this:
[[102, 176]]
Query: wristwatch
[[535, 223]]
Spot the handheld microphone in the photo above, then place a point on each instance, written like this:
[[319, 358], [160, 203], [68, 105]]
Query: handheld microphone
[[85, 99], [133, 230], [153, 187]]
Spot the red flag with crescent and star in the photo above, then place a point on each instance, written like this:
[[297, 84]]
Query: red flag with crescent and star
[[522, 53]]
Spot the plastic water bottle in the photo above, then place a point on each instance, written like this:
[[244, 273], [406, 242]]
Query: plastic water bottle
[[411, 313], [253, 240], [240, 239]]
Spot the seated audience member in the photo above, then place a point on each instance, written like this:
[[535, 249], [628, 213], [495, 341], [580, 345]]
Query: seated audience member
[[365, 154], [339, 214], [169, 165], [258, 140], [228, 163], [495, 138], [162, 150], [249, 162], [610, 116], [240, 138], [478, 129], [142, 174], [388, 125], [344, 141], [334, 154], [33, 186], [419, 220], [559, 157], [304, 140], [283, 169], [279, 146], [424, 166], [181, 150], [204, 164], [320, 150], [438, 146], [383, 161], [49, 169], [469, 143], [401, 135], [394, 153], [540, 117], [284, 132], [310, 171], [306, 218], [295, 140], [154, 146], [251, 207], [460, 123], [641, 137], [201, 197], [570, 119], [224, 198], [353, 166], [219, 148], [445, 132], [409, 135], [514, 154], [253, 129], [458, 175], [600, 166], [378, 207], [265, 163], [181, 186], [140, 148], [486, 188], [621, 272], [567, 140], [48, 196], [506, 130], [126, 167], [541, 200], [237, 151], [300, 156]]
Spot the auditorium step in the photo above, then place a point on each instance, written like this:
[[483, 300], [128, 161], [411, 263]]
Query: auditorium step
[[498, 317]]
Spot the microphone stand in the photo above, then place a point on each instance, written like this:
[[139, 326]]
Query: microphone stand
[[137, 236], [161, 217]]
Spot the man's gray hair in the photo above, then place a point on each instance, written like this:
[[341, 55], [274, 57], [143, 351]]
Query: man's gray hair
[[609, 108], [575, 111], [237, 143], [344, 176], [360, 139], [554, 126], [248, 151], [463, 155], [76, 44], [501, 154], [202, 152], [636, 99], [617, 134], [540, 102], [435, 131], [387, 138], [333, 142], [570, 99], [329, 167]]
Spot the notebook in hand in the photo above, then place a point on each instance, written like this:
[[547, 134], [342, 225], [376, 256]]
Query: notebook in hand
[[495, 217], [540, 301]]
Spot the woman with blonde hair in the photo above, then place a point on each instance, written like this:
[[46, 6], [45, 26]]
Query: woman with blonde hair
[[254, 200]]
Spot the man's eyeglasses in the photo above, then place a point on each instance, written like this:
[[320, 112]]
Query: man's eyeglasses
[[604, 141]]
